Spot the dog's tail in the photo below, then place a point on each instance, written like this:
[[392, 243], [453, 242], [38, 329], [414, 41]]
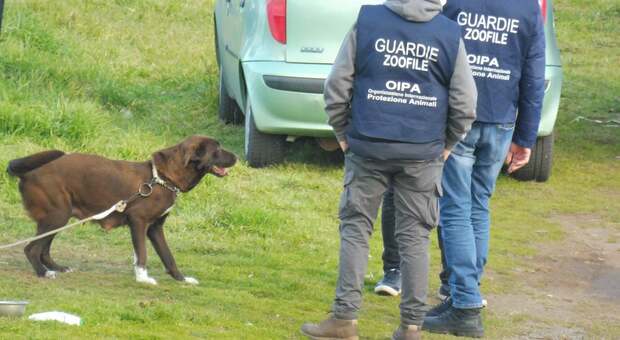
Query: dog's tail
[[19, 167]]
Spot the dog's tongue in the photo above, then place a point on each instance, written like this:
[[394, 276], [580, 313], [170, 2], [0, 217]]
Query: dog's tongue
[[220, 171]]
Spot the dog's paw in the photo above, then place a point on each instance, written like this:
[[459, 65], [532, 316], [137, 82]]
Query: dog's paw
[[190, 280], [142, 276], [66, 270], [50, 274]]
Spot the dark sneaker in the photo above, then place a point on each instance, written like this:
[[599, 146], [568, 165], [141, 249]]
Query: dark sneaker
[[440, 308], [389, 284], [331, 328], [444, 292], [407, 333], [455, 321]]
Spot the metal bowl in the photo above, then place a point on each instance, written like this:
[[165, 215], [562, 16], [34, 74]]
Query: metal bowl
[[12, 308]]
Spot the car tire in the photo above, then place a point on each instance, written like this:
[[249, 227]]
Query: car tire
[[261, 149], [228, 111], [541, 162]]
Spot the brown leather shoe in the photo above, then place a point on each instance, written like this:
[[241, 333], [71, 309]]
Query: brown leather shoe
[[331, 329], [407, 333]]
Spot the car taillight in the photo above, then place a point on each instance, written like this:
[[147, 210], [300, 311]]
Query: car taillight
[[543, 8], [276, 13]]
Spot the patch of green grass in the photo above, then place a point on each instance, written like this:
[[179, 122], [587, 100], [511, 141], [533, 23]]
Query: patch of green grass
[[125, 78]]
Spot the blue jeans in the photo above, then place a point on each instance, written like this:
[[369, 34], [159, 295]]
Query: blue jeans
[[469, 178]]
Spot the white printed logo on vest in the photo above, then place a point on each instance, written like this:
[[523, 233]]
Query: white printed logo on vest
[[404, 55], [492, 30]]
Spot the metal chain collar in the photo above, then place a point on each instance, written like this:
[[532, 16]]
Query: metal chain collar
[[146, 189], [157, 180]]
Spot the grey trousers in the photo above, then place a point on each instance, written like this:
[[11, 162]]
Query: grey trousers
[[417, 186]]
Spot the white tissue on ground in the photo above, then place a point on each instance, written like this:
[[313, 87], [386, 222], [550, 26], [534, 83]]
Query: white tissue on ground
[[57, 316]]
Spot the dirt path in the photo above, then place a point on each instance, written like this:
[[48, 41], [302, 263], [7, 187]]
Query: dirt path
[[571, 284]]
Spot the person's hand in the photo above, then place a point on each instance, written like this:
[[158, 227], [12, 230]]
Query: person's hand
[[517, 157], [344, 145], [446, 154]]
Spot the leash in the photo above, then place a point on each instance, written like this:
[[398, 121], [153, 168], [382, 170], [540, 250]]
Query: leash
[[120, 207], [145, 190]]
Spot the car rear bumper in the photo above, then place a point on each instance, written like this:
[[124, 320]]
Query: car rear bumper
[[287, 98], [295, 84]]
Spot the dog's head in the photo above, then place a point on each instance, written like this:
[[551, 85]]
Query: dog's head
[[187, 162]]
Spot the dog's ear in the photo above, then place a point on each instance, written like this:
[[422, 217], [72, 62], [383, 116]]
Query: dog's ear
[[193, 151], [161, 158]]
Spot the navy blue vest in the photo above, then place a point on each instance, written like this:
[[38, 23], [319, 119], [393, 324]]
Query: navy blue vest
[[497, 36], [402, 76]]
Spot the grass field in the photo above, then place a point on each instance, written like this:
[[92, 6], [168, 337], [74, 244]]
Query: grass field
[[127, 77]]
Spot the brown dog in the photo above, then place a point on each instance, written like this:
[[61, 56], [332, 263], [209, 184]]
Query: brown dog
[[56, 186]]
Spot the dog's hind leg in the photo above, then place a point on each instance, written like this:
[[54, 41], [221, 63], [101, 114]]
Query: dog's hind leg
[[50, 208], [47, 260], [156, 235], [138, 237], [33, 253], [34, 250]]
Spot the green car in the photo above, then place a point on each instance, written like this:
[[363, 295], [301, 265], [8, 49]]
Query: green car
[[274, 56]]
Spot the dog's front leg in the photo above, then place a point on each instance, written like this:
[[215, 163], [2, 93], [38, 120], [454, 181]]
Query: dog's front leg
[[138, 237], [156, 235]]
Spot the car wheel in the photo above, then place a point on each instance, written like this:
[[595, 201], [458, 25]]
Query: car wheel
[[539, 167], [261, 149], [228, 111]]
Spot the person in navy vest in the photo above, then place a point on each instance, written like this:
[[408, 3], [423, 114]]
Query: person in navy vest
[[400, 95], [506, 46]]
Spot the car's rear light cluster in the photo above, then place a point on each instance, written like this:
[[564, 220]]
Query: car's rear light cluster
[[543, 8], [276, 14]]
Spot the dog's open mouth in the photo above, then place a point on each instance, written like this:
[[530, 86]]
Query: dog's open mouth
[[219, 172]]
